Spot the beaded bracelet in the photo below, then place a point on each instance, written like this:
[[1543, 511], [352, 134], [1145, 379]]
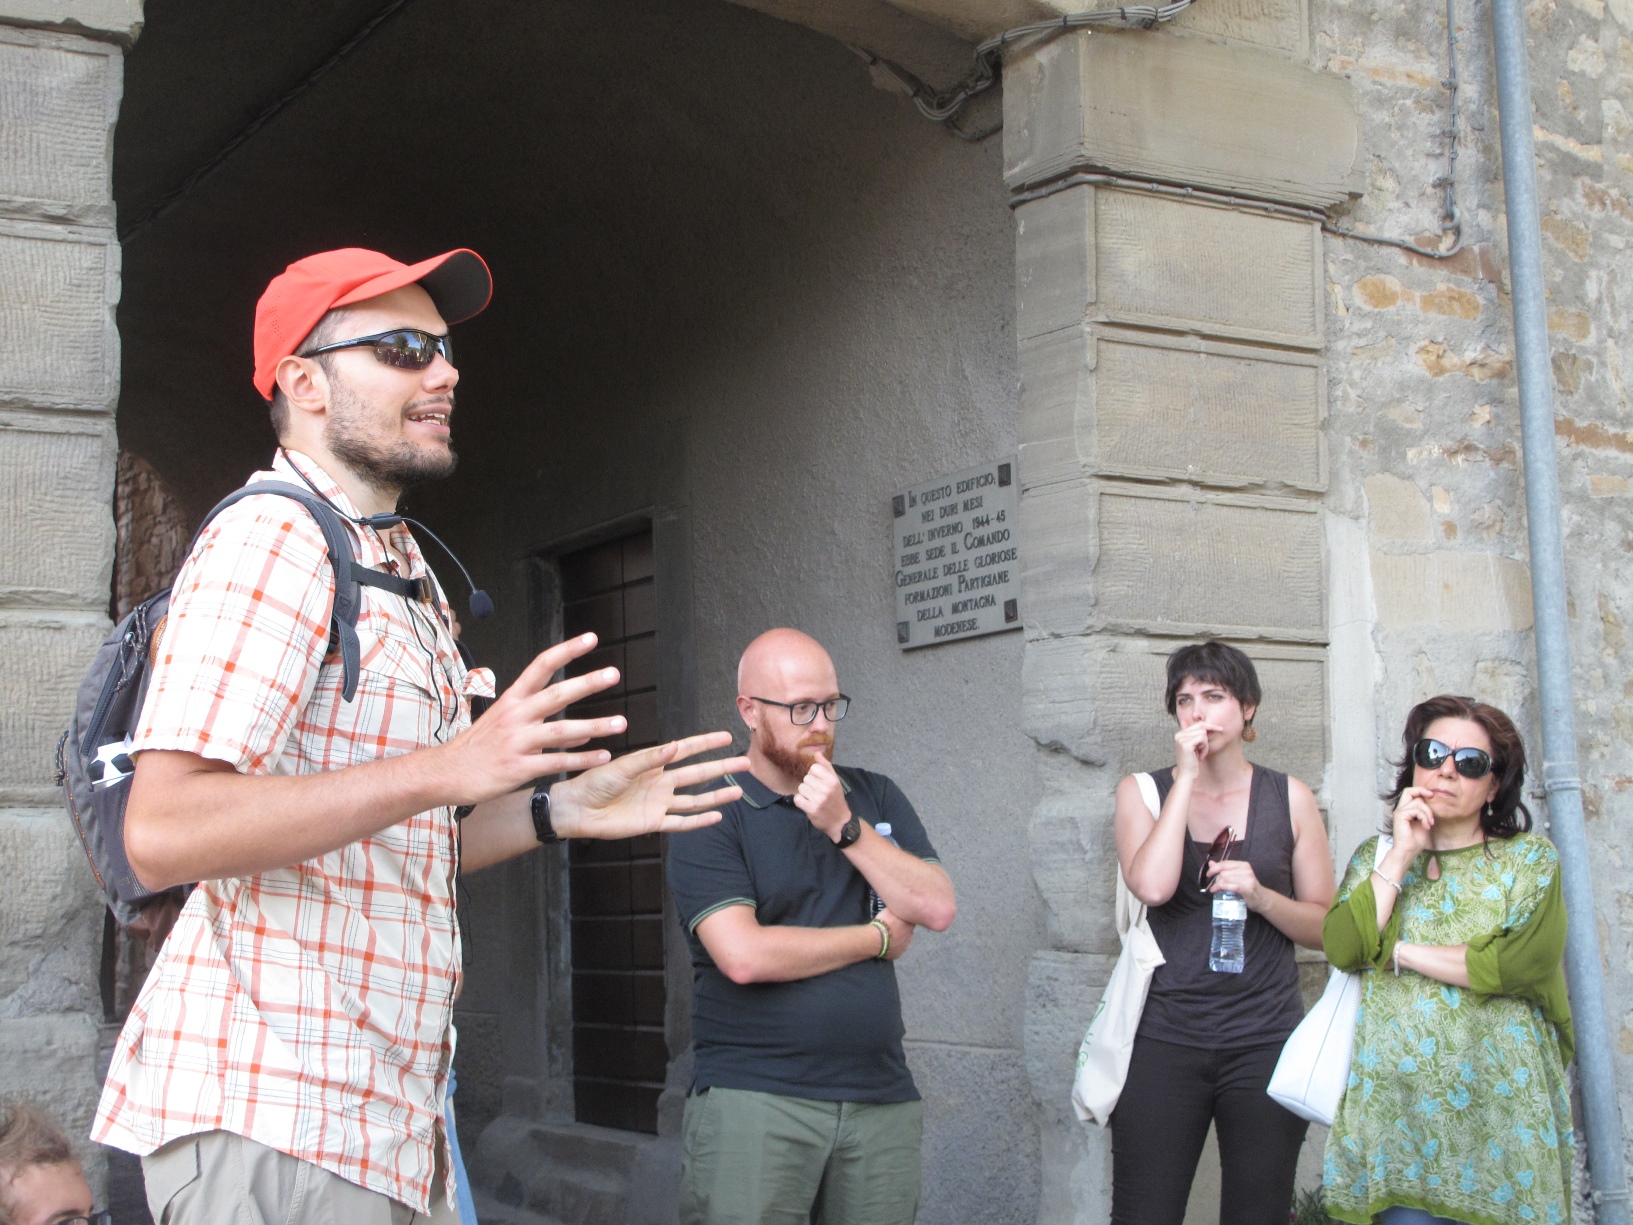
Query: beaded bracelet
[[884, 939]]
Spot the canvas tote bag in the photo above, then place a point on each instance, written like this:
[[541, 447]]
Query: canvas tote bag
[[1102, 1060], [1313, 1070]]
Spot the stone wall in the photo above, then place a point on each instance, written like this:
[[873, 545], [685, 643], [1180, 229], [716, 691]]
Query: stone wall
[[59, 368], [749, 302], [1173, 454], [1424, 430], [1229, 423]]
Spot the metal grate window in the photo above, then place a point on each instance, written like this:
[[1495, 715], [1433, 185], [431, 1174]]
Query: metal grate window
[[619, 1053]]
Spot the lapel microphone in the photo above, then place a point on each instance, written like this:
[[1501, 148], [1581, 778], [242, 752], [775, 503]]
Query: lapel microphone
[[481, 603]]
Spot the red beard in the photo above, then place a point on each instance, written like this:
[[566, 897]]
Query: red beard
[[797, 762]]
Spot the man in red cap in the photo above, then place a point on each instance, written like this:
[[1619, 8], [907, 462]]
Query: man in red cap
[[291, 1047]]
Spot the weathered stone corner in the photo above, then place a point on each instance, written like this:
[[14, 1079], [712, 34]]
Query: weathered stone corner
[[120, 20], [1232, 119]]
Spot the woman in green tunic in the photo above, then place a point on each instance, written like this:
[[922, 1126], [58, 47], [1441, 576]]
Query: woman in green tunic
[[1457, 1107]]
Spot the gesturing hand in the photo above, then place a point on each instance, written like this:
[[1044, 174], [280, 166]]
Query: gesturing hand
[[635, 794], [821, 797], [509, 745]]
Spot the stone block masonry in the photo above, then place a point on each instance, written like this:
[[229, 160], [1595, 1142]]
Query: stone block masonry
[[59, 377], [1173, 455], [1425, 432], [59, 97], [58, 466]]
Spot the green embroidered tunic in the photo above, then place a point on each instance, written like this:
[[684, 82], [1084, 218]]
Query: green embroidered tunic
[[1457, 1101]]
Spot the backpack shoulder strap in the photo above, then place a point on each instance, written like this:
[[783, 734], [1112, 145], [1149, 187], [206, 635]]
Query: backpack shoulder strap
[[348, 596]]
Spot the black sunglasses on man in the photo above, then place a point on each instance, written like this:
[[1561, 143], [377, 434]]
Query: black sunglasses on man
[[404, 348]]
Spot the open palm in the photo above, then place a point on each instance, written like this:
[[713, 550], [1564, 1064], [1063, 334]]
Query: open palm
[[637, 793]]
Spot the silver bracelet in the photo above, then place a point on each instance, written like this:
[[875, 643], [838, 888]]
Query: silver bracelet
[[1397, 953], [1393, 884]]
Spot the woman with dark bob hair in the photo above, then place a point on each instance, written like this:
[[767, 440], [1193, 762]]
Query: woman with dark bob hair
[[1208, 1039], [1457, 1109]]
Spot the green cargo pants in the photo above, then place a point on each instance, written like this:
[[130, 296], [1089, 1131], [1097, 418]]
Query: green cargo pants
[[764, 1159]]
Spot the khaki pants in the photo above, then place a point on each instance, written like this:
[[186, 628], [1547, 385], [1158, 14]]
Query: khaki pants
[[217, 1178], [764, 1159]]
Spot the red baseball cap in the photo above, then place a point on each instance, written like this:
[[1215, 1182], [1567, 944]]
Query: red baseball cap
[[459, 284]]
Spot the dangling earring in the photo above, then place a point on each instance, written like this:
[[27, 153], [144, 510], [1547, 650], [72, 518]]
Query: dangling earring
[[1488, 810], [1249, 735]]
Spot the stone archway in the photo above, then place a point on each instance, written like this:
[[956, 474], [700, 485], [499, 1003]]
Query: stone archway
[[1133, 245]]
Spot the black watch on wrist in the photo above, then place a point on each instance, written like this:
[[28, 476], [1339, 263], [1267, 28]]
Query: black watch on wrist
[[849, 832], [540, 808]]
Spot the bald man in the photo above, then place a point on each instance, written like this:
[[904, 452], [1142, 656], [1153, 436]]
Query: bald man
[[801, 1101]]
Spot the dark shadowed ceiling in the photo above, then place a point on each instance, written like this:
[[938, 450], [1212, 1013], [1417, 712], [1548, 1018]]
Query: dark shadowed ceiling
[[627, 173]]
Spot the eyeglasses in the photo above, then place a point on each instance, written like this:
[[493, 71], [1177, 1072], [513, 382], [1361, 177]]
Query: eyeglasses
[[1470, 763], [1220, 851], [805, 712], [405, 348]]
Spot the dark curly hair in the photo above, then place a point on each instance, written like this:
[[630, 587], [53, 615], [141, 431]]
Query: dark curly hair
[[1508, 814]]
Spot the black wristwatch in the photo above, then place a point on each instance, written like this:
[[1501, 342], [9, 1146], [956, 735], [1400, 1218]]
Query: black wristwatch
[[540, 807], [849, 832]]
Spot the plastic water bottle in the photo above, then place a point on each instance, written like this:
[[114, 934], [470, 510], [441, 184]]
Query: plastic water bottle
[[875, 902], [1229, 923]]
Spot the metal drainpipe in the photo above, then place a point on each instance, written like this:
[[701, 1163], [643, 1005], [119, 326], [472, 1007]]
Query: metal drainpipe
[[1595, 1067]]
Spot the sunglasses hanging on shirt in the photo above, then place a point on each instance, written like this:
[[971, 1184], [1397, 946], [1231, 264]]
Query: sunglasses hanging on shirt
[[1220, 851]]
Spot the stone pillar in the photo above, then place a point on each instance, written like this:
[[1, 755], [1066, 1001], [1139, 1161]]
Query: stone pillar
[[1172, 455], [60, 81]]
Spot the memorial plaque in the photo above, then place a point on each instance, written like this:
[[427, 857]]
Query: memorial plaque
[[954, 556]]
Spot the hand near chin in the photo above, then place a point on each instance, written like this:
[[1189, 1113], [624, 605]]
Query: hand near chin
[[1413, 821], [1190, 748], [821, 797]]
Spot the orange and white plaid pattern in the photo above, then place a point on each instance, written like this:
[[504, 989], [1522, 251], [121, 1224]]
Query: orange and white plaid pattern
[[308, 1008]]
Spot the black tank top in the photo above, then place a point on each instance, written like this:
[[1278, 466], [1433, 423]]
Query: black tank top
[[1192, 1005]]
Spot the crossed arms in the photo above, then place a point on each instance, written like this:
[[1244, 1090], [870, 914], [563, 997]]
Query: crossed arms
[[915, 894]]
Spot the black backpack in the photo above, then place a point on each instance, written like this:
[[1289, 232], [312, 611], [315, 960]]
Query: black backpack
[[93, 756]]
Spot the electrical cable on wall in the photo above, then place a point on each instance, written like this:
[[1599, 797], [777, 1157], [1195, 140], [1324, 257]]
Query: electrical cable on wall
[[944, 107], [1451, 220]]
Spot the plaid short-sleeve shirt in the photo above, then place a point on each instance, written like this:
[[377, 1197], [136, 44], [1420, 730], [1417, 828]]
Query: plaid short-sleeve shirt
[[307, 1008]]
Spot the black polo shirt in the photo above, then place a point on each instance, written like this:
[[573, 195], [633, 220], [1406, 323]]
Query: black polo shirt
[[834, 1037]]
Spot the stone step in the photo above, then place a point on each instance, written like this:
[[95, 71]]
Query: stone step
[[569, 1173], [490, 1211]]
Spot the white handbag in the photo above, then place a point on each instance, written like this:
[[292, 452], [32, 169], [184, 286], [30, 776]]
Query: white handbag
[[1314, 1067], [1102, 1059]]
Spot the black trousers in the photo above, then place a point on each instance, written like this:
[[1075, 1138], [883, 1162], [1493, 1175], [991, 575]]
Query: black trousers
[[1161, 1124]]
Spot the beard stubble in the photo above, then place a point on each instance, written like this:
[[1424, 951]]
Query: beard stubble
[[386, 466]]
